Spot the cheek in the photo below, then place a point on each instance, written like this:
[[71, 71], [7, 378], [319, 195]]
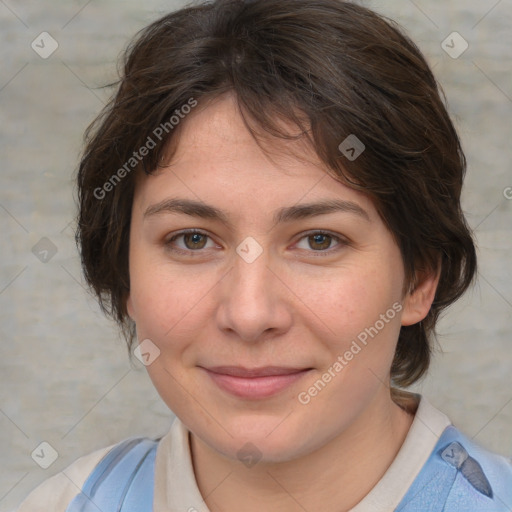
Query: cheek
[[169, 306], [349, 299], [362, 312], [158, 308], [357, 318]]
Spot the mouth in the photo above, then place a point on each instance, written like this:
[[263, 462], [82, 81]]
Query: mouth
[[254, 383]]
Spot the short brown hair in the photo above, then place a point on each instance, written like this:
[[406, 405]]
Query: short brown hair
[[334, 66]]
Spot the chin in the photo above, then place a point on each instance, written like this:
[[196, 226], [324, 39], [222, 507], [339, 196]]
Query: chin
[[264, 437]]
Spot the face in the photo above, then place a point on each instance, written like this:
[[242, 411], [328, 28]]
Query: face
[[276, 322]]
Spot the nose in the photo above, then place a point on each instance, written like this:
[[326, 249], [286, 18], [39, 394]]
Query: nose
[[255, 302]]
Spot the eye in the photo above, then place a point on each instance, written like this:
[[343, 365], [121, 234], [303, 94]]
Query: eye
[[193, 240], [317, 241], [320, 242]]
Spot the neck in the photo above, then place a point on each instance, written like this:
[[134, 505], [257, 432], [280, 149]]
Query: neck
[[336, 477]]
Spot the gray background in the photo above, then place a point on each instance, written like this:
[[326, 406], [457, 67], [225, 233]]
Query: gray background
[[66, 378]]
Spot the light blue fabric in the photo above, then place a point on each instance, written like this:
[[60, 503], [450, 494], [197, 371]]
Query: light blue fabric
[[459, 476], [122, 481]]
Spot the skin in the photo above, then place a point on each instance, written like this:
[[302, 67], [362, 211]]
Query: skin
[[289, 307]]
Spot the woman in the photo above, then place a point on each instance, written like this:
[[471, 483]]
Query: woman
[[270, 205]]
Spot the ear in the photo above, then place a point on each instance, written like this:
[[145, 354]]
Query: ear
[[418, 300]]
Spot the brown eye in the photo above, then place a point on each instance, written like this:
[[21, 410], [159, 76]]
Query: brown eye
[[192, 241], [321, 242]]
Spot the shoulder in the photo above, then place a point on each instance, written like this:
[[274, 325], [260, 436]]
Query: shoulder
[[56, 492], [71, 484], [461, 475], [482, 476]]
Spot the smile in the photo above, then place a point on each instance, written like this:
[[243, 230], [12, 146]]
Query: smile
[[256, 383]]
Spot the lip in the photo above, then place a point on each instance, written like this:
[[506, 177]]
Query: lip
[[254, 383]]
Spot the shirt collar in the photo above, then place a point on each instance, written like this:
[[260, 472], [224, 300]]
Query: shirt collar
[[176, 487]]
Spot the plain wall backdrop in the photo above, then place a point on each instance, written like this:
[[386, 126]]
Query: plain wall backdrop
[[65, 373]]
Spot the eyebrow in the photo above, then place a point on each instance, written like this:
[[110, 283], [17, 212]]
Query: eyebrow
[[199, 209]]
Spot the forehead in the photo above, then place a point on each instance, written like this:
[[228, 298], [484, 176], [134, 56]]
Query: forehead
[[217, 130], [215, 159]]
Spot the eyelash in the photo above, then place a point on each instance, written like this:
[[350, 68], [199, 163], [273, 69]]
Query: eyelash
[[341, 242]]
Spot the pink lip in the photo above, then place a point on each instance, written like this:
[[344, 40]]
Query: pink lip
[[256, 382]]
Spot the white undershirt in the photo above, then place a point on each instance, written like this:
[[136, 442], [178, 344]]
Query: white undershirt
[[176, 487]]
